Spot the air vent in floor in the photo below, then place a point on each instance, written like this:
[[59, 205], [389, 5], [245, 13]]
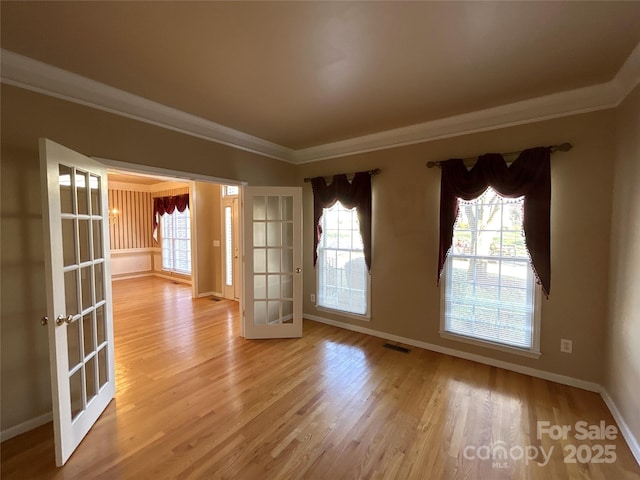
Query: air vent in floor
[[397, 348]]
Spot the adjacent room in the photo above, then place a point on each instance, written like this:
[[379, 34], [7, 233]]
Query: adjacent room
[[320, 240]]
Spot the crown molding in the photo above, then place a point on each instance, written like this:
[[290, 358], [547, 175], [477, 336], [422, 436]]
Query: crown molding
[[40, 77], [30, 74], [588, 99]]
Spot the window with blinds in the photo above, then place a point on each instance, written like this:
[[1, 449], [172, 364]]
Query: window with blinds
[[490, 294], [343, 279], [176, 241]]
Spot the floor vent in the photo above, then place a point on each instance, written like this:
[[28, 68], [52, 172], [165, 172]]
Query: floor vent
[[397, 348]]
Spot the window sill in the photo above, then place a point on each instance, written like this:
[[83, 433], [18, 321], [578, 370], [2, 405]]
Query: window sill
[[356, 316], [494, 346]]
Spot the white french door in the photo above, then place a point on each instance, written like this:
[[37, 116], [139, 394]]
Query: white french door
[[78, 280], [272, 279]]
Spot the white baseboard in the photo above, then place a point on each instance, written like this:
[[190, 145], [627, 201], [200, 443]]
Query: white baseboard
[[25, 426], [628, 435], [532, 372], [205, 294], [174, 279], [133, 275]]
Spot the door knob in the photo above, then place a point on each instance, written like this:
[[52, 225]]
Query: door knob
[[62, 319], [44, 321], [298, 270]]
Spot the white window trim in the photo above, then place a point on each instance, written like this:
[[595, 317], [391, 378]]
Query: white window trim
[[365, 317], [533, 352]]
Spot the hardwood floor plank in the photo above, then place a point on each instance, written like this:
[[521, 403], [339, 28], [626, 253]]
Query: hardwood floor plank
[[194, 400]]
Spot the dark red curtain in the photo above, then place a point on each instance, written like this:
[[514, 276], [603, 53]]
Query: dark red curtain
[[356, 193], [528, 175], [162, 205]]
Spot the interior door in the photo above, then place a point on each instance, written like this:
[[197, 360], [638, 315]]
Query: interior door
[[78, 280], [272, 278]]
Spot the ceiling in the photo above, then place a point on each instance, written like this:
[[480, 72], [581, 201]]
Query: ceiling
[[121, 177], [292, 77]]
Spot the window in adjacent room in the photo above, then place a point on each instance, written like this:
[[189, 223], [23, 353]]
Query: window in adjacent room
[[176, 241], [343, 278], [490, 293]]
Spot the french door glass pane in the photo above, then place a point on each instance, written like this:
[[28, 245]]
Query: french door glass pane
[[71, 292], [100, 325], [83, 240], [260, 286], [259, 208], [260, 313], [87, 333], [82, 189], [273, 208], [73, 345], [86, 276], [98, 270], [68, 241], [91, 386], [95, 195], [97, 239], [102, 366], [75, 387], [66, 190]]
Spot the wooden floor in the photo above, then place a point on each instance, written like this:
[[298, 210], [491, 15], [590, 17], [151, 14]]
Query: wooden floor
[[194, 400]]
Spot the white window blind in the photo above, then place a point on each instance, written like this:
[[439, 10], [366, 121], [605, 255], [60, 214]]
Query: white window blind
[[176, 241], [489, 286], [343, 279]]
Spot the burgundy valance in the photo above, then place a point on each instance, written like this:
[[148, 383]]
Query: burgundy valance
[[355, 194], [162, 205], [529, 176]]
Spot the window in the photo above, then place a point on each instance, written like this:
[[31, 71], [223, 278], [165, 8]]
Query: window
[[343, 279], [490, 294], [176, 241], [228, 246], [230, 190]]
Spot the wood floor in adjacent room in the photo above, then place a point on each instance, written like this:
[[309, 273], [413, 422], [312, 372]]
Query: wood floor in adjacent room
[[195, 400]]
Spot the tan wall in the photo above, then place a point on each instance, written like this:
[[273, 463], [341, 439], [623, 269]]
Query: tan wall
[[622, 379], [405, 298], [207, 220], [24, 374], [26, 116]]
